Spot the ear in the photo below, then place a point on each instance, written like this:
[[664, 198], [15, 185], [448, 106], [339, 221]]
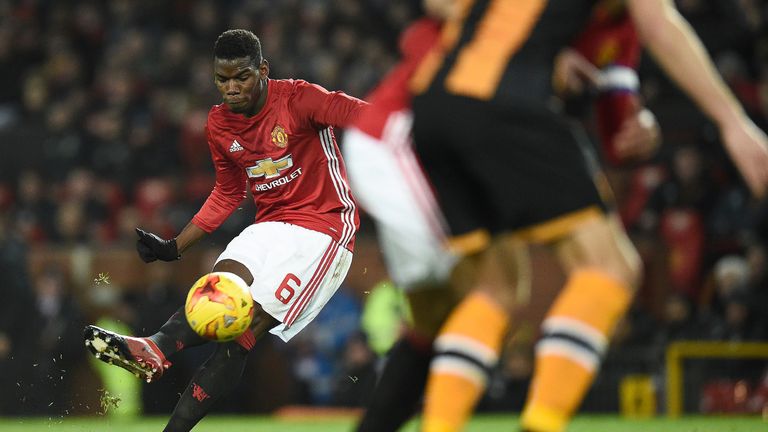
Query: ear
[[264, 68]]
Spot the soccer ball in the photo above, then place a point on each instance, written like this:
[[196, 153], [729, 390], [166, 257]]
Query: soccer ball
[[219, 307]]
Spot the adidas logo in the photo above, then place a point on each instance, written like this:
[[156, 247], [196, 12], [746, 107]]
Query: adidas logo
[[235, 147]]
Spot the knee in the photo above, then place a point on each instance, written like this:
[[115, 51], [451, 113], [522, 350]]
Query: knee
[[232, 266], [230, 352], [262, 322], [626, 268], [430, 306], [607, 247]]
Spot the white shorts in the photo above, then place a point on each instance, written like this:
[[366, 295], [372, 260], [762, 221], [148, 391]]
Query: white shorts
[[295, 271], [390, 186]]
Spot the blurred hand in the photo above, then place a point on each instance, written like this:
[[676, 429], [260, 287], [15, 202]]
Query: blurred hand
[[152, 248], [442, 10], [638, 138], [748, 147], [573, 73]]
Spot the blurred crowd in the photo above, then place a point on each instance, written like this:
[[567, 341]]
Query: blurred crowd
[[101, 130]]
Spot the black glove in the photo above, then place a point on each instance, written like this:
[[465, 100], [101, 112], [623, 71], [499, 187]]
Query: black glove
[[151, 247]]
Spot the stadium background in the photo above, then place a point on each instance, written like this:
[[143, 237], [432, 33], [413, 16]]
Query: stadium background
[[101, 114]]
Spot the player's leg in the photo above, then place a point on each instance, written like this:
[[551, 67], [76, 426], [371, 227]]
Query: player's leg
[[464, 151], [290, 282], [390, 186], [603, 271], [401, 383], [470, 343], [176, 334], [145, 357], [217, 376], [222, 371]]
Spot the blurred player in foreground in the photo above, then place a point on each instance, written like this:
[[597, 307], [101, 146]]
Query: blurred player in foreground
[[602, 61], [275, 136], [504, 163], [391, 187]]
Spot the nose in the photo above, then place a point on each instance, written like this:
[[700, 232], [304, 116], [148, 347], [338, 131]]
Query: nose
[[232, 88]]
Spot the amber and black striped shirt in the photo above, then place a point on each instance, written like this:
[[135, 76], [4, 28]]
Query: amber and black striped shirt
[[502, 51]]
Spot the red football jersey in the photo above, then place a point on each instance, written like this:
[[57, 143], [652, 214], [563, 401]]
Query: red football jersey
[[610, 37], [392, 94], [287, 154], [611, 43]]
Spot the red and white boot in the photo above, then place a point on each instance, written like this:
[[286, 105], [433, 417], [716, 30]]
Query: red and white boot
[[140, 356]]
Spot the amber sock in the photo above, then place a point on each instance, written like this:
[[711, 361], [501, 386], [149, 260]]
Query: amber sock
[[466, 349], [574, 338]]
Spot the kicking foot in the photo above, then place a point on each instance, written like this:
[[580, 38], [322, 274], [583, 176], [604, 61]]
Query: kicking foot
[[140, 356]]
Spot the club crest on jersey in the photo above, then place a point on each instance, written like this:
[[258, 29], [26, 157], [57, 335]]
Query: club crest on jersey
[[279, 136], [268, 168]]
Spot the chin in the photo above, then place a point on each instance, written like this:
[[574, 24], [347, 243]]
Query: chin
[[238, 108]]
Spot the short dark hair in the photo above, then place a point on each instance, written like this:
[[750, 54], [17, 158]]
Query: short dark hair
[[238, 43]]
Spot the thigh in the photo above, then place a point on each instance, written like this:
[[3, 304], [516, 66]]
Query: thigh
[[295, 271], [497, 172], [439, 132], [601, 243], [390, 185], [501, 271]]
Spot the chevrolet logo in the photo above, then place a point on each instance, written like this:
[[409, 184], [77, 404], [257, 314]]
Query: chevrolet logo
[[268, 168]]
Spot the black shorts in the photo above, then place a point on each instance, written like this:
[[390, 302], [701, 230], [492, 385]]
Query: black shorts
[[494, 171]]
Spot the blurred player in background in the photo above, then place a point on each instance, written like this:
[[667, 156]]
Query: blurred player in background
[[391, 187], [275, 136], [505, 163]]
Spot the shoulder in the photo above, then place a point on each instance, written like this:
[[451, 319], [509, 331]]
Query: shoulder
[[299, 96], [290, 89], [299, 87], [216, 117], [285, 87]]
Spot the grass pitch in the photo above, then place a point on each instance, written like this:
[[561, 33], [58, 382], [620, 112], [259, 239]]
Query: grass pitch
[[486, 423]]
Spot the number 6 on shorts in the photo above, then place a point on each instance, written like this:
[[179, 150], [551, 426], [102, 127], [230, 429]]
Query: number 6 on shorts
[[285, 291]]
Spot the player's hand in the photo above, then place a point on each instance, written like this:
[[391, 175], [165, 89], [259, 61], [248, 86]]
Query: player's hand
[[152, 248], [748, 147], [573, 73], [638, 138], [442, 10]]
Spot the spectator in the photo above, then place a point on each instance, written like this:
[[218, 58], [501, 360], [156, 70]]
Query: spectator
[[17, 326], [57, 348]]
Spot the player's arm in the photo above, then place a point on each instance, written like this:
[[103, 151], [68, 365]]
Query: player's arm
[[627, 130], [323, 108], [678, 50], [228, 192]]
